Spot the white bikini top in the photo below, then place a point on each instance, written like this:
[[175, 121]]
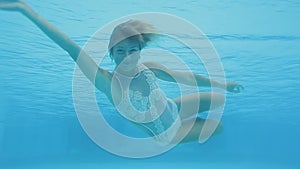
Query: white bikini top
[[142, 99], [145, 103]]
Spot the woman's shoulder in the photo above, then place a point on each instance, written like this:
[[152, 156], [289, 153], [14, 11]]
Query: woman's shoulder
[[150, 64], [155, 67], [143, 68]]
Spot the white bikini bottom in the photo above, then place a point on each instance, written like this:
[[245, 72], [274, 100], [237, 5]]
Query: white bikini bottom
[[165, 128]]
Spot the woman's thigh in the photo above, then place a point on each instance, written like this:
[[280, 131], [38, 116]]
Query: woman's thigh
[[190, 105]]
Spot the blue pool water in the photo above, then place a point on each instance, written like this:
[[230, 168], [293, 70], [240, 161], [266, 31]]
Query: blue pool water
[[258, 43]]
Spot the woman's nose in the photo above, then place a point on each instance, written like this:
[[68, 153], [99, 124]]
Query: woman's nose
[[127, 53]]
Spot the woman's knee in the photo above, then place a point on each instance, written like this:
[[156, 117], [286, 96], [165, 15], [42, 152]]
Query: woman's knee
[[212, 99]]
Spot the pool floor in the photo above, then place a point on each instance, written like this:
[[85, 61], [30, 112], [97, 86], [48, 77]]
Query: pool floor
[[139, 165]]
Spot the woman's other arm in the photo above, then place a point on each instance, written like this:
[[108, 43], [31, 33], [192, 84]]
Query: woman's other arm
[[190, 78]]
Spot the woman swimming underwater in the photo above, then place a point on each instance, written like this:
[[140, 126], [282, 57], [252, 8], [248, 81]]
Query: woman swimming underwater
[[132, 87]]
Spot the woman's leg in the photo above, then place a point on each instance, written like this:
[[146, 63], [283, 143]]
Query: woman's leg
[[190, 105], [191, 133]]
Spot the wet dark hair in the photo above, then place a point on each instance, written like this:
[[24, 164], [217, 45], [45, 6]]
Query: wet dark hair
[[134, 30]]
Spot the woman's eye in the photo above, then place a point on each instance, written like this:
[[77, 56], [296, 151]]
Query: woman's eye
[[120, 51], [133, 50]]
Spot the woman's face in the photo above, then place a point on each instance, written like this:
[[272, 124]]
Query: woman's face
[[126, 55]]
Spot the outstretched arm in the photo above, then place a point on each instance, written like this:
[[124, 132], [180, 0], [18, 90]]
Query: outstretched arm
[[84, 61], [189, 78]]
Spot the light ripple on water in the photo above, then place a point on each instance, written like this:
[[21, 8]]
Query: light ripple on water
[[254, 37]]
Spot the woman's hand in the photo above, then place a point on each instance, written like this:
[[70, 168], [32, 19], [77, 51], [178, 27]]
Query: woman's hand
[[234, 87], [12, 5]]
